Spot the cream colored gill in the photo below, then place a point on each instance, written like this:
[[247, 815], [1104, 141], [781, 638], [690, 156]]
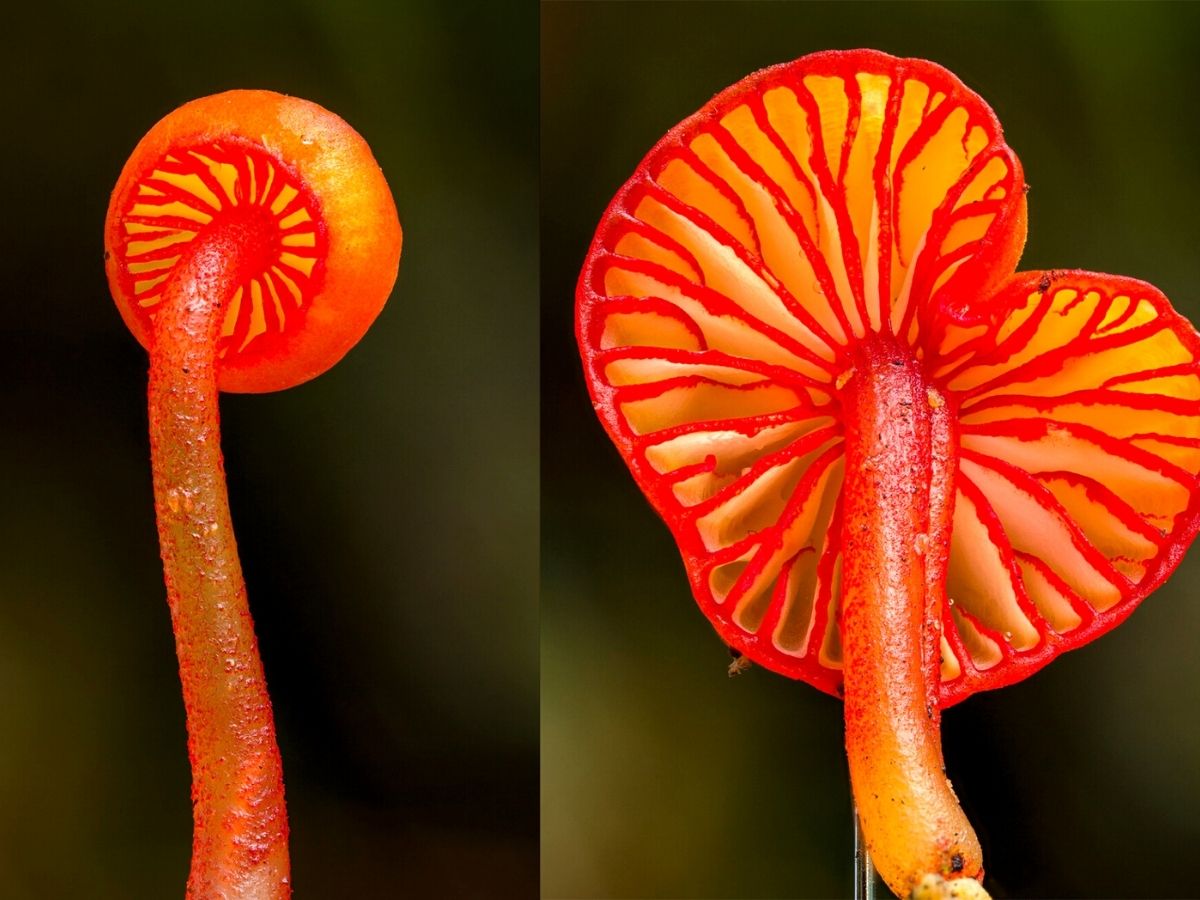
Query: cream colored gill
[[800, 543], [723, 268]]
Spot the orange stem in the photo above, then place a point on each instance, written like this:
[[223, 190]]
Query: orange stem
[[898, 499], [240, 838]]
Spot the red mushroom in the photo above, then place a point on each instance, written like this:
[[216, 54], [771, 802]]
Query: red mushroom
[[894, 468], [250, 242]]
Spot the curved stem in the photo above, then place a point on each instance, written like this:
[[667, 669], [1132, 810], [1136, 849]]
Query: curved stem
[[240, 839], [899, 502]]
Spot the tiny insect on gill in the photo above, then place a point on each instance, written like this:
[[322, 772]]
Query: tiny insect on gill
[[895, 468], [250, 241]]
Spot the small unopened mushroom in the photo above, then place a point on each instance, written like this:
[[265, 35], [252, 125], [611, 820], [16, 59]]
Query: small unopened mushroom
[[250, 241], [894, 468]]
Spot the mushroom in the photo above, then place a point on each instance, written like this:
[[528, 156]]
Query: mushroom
[[894, 468], [250, 242]]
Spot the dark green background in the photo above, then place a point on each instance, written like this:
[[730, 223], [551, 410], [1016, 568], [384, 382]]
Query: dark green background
[[660, 776], [386, 512]]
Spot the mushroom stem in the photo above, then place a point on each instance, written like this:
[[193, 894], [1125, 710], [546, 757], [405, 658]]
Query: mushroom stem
[[240, 838], [898, 507]]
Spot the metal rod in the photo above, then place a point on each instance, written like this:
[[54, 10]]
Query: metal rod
[[864, 872]]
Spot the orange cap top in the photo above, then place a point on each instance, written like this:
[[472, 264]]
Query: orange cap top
[[317, 225]]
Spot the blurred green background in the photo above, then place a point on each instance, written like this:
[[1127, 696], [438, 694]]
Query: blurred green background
[[386, 512], [661, 777]]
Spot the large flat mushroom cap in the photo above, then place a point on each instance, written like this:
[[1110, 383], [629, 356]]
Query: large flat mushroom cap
[[852, 193]]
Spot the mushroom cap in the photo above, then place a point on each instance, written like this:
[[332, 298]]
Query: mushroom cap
[[802, 210], [325, 242]]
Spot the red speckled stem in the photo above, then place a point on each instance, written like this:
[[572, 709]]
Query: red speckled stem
[[240, 840], [898, 506]]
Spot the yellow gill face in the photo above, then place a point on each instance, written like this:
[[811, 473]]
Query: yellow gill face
[[1080, 448], [219, 184], [801, 211], [813, 203]]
